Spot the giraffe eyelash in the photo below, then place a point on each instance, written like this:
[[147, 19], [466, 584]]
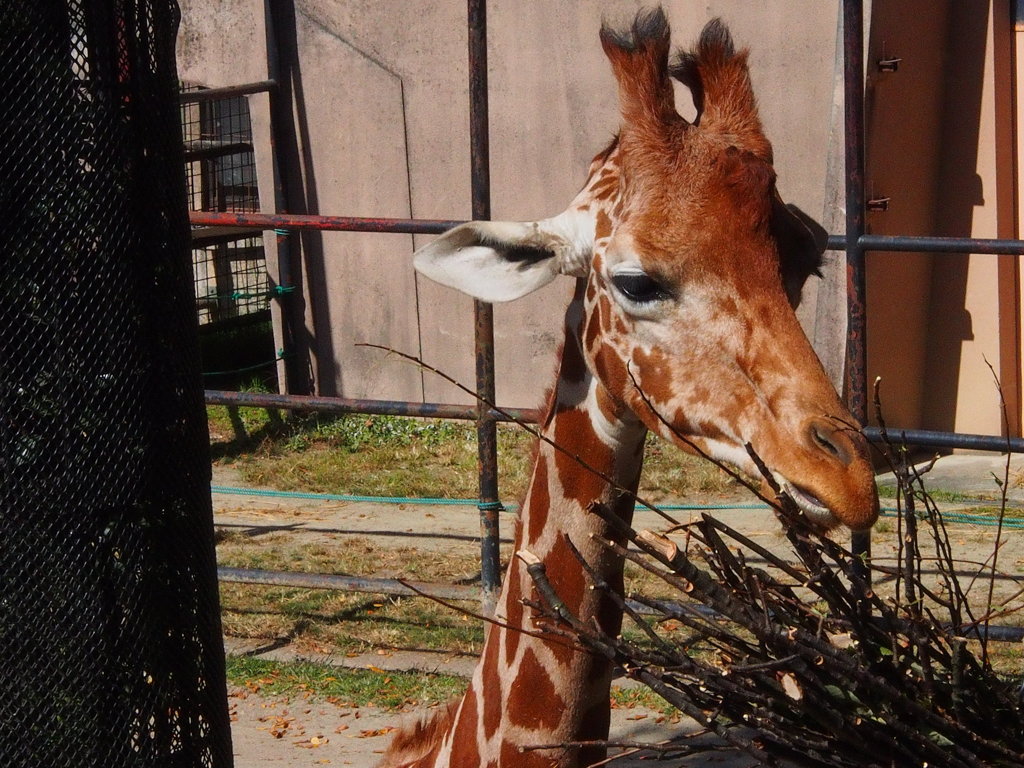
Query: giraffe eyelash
[[640, 288]]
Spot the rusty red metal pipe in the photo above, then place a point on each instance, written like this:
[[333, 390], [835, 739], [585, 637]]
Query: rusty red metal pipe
[[293, 221]]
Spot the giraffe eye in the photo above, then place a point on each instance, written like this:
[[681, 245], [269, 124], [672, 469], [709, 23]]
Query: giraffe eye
[[640, 287]]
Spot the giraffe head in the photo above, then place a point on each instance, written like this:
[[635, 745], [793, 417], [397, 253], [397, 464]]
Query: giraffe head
[[693, 267]]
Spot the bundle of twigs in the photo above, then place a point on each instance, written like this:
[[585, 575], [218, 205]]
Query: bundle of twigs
[[809, 665]]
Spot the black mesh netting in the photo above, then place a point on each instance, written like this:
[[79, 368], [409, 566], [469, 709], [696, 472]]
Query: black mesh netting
[[109, 629]]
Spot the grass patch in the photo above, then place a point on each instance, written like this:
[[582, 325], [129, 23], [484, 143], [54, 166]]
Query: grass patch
[[392, 691], [638, 696], [406, 457], [669, 473], [349, 555], [346, 622], [365, 455], [350, 622], [344, 687], [888, 491]]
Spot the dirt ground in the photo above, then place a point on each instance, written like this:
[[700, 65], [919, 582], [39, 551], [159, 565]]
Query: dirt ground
[[299, 732], [304, 732]]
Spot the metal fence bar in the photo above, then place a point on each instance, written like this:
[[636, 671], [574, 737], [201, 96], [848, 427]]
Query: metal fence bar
[[226, 92], [405, 587], [283, 221], [856, 327], [934, 439], [483, 313], [290, 222], [340, 405], [376, 586], [315, 404], [904, 243], [281, 64]]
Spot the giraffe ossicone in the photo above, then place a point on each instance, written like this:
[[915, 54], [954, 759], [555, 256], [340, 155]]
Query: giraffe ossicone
[[688, 267]]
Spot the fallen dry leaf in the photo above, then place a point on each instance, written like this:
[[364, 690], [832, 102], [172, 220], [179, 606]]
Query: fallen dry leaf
[[376, 732]]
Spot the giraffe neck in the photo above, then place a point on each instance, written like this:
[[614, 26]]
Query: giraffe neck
[[538, 690]]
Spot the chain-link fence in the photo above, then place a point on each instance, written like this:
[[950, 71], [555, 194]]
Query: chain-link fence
[[109, 627]]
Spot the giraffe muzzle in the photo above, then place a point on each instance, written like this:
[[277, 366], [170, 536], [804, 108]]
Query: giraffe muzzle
[[836, 485]]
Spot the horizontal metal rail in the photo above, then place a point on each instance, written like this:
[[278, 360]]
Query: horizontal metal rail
[[210, 150], [208, 236], [353, 405], [289, 222], [379, 586], [919, 437], [905, 243], [226, 92], [933, 439]]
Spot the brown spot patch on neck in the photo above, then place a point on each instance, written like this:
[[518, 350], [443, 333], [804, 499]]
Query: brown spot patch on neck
[[514, 615], [575, 432], [492, 683], [539, 502], [534, 702], [465, 750]]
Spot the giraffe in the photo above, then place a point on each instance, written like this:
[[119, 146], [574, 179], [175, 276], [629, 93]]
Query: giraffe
[[688, 267]]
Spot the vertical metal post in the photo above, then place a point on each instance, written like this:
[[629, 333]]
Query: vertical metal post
[[856, 343], [288, 273], [487, 435]]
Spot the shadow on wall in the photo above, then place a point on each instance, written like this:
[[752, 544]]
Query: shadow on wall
[[300, 191], [924, 127], [961, 190]]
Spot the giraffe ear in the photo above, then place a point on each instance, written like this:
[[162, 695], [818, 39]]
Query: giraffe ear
[[505, 260]]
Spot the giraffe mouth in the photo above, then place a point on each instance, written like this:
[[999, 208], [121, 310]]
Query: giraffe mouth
[[808, 503]]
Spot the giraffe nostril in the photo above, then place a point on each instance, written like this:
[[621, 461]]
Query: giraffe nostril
[[824, 442], [827, 438]]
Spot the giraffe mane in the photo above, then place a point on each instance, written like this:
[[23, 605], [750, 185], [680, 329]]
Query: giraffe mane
[[417, 739]]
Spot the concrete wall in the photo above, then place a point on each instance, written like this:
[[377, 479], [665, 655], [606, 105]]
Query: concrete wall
[[381, 129], [940, 146]]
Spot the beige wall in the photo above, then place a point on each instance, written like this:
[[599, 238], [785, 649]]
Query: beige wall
[[381, 122], [940, 145]]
